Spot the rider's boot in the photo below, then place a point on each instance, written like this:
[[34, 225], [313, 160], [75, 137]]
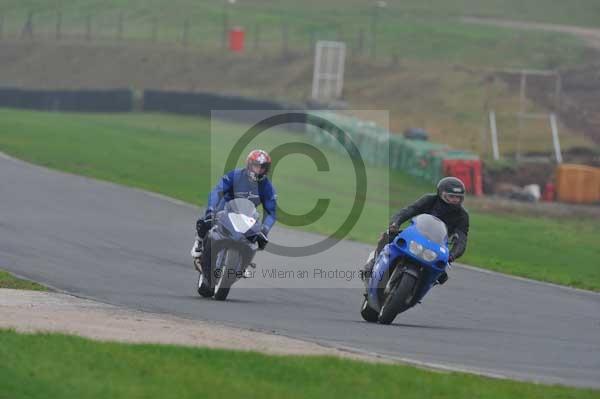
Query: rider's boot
[[365, 273], [442, 278], [196, 253], [249, 273]]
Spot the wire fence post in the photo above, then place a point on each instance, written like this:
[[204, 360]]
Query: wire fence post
[[557, 91], [522, 109], [256, 44], [312, 39], [154, 33], [120, 26], [88, 28], [361, 41], [284, 39], [225, 25], [185, 35], [487, 106], [58, 25], [374, 20], [494, 133], [376, 7], [555, 140], [27, 31]]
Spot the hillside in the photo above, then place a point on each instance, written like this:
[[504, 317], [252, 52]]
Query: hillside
[[447, 100]]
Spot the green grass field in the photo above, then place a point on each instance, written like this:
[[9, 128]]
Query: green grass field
[[111, 370], [414, 29], [173, 155], [7, 280]]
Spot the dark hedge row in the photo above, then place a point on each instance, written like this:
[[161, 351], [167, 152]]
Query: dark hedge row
[[220, 106], [118, 100], [202, 103]]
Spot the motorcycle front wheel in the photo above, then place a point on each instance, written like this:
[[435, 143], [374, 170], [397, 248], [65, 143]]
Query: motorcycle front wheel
[[398, 299], [228, 273], [367, 312], [204, 289]]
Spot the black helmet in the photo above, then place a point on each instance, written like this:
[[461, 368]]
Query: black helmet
[[451, 190]]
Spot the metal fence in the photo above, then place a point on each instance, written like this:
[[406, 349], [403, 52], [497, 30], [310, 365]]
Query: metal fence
[[277, 33]]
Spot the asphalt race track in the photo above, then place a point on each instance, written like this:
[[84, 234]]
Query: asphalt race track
[[127, 247]]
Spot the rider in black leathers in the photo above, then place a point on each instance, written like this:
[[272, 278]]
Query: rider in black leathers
[[446, 205]]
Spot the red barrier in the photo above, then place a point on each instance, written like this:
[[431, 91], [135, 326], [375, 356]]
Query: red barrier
[[236, 39], [469, 171], [549, 192]]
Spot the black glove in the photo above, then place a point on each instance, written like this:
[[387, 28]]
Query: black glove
[[204, 224], [393, 229], [451, 259], [262, 241], [200, 227]]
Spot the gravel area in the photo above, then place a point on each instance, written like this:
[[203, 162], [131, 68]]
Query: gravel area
[[32, 311]]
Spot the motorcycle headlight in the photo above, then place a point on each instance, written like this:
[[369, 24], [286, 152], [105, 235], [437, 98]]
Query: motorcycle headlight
[[426, 254], [429, 255], [415, 248]]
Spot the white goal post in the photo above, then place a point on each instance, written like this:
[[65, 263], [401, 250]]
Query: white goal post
[[328, 75], [522, 114], [553, 128]]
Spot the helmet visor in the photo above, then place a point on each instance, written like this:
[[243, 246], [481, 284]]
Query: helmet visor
[[453, 199], [259, 169]]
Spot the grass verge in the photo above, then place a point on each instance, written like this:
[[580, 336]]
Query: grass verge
[[99, 370], [175, 156], [7, 280]]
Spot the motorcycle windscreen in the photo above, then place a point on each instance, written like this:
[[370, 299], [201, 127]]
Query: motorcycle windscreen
[[242, 213], [242, 206], [432, 228]]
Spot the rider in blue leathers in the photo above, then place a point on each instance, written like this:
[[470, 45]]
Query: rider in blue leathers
[[250, 182]]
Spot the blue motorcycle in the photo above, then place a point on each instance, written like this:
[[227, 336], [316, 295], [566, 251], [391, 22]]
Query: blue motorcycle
[[406, 269]]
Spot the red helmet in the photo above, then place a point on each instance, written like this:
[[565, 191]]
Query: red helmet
[[258, 164]]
